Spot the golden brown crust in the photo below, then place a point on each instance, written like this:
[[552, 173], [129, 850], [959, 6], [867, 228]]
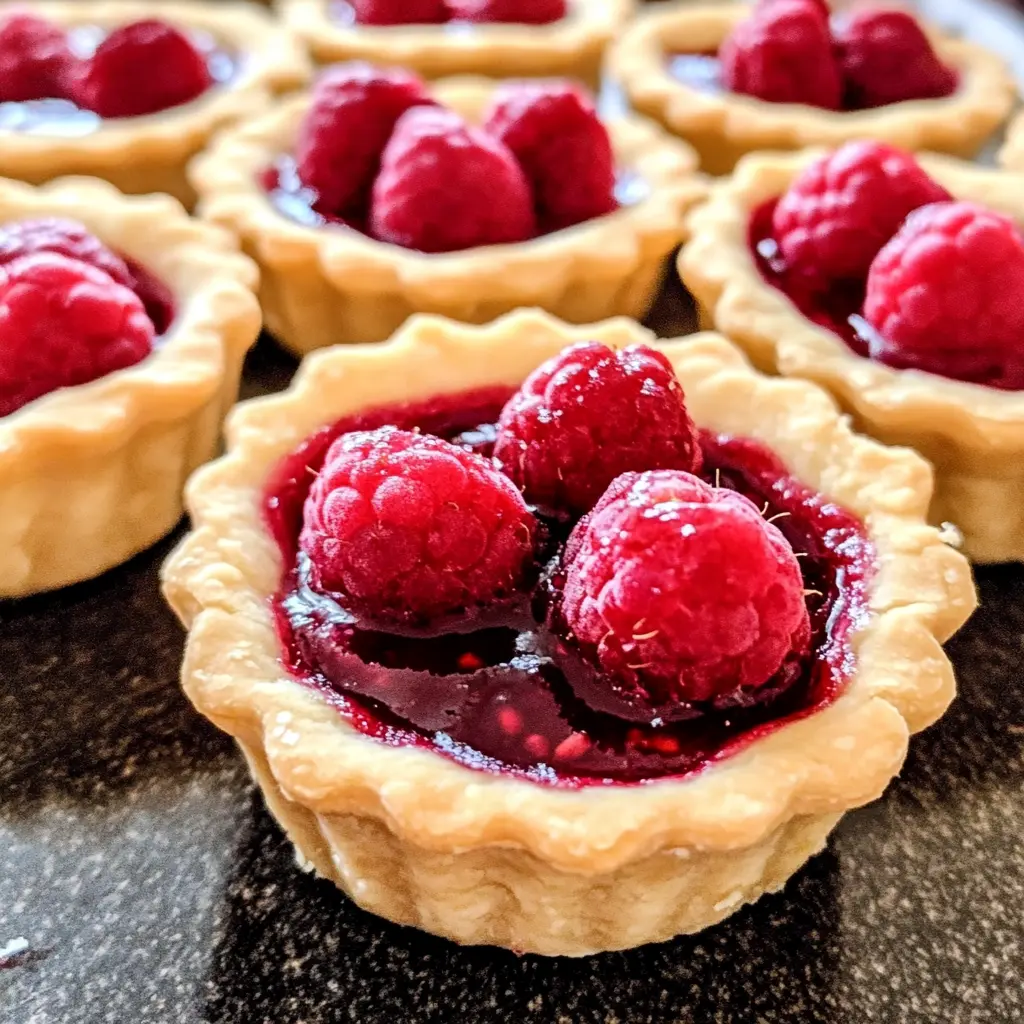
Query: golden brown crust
[[1011, 155], [325, 286], [147, 154], [118, 451], [973, 435], [571, 48], [709, 842], [723, 127]]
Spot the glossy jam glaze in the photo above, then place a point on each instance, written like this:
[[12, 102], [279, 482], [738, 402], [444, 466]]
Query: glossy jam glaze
[[64, 119], [296, 201], [839, 309], [495, 690]]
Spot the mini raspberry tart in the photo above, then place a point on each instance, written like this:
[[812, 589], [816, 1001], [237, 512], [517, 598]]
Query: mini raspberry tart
[[448, 677], [782, 75], [131, 91], [894, 281], [376, 197], [440, 38], [124, 326]]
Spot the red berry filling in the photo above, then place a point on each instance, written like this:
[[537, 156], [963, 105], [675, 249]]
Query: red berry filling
[[787, 52], [867, 246], [517, 679], [71, 310], [436, 12], [64, 81], [377, 154]]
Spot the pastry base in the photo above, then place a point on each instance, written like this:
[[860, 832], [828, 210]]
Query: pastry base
[[723, 127], [972, 435], [327, 286], [117, 451], [490, 858], [141, 155], [571, 48]]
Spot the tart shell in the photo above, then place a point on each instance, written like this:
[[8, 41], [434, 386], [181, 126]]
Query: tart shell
[[116, 452], [486, 858], [973, 435], [140, 155], [725, 126], [571, 48], [322, 286]]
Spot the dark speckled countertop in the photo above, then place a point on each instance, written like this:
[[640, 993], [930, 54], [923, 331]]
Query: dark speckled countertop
[[142, 881]]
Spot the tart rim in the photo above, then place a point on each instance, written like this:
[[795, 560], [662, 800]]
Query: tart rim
[[983, 99], [221, 577], [718, 265], [226, 178], [272, 61], [594, 22]]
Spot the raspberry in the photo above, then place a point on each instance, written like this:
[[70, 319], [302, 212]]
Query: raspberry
[[945, 295], [399, 12], [845, 206], [554, 132], [782, 53], [66, 238], [35, 60], [353, 113], [885, 57], [444, 186], [524, 12], [409, 527], [63, 322], [682, 592], [589, 414], [143, 68]]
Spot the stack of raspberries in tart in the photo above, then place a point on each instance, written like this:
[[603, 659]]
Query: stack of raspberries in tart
[[785, 74], [506, 616], [896, 283], [376, 197], [123, 325], [131, 91], [439, 38]]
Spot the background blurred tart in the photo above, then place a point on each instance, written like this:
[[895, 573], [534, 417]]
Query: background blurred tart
[[373, 199], [131, 91], [732, 79], [493, 38], [124, 328], [894, 282], [367, 620]]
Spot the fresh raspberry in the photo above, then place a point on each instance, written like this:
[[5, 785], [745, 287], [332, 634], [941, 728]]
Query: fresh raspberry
[[885, 57], [945, 295], [589, 414], [682, 593], [66, 238], [143, 68], [554, 132], [782, 53], [409, 527], [35, 60], [352, 115], [523, 12], [62, 323], [444, 186], [399, 12], [845, 206]]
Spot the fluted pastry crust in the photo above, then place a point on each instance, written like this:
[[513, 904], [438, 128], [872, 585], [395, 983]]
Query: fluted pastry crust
[[973, 435], [725, 126], [323, 286], [570, 48], [485, 858], [147, 154], [93, 474]]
